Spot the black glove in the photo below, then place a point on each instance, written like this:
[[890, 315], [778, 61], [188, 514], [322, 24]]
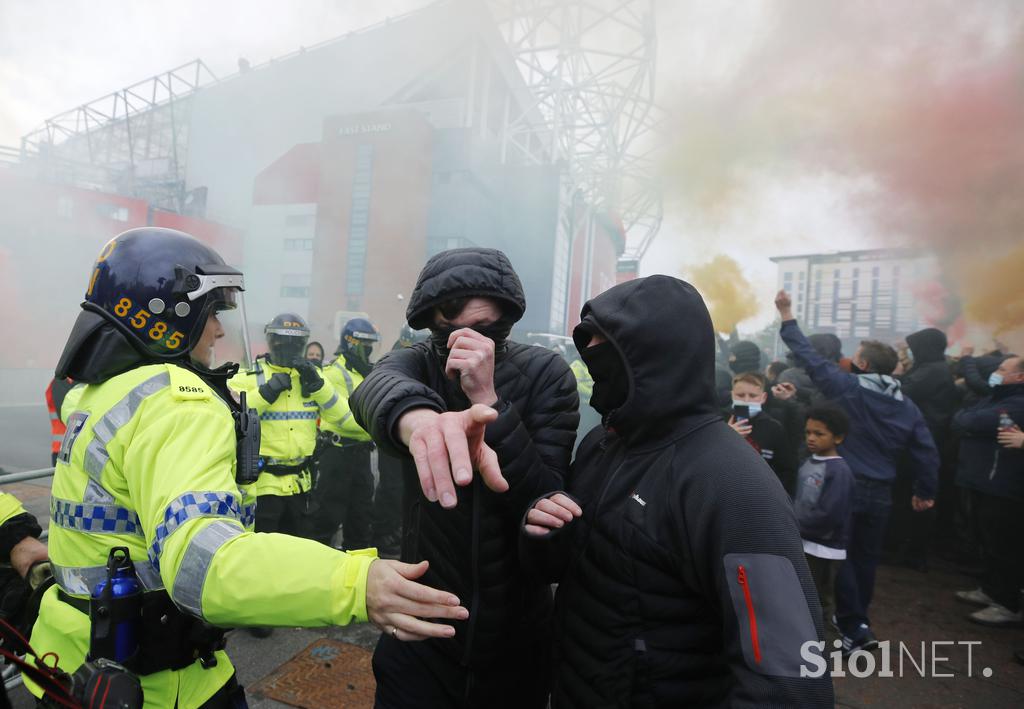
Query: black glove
[[279, 382], [309, 376]]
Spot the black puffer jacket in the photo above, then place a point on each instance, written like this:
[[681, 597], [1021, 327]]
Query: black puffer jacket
[[929, 383], [472, 547], [684, 583]]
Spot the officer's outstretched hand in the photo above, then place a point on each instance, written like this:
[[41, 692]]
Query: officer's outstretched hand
[[448, 447], [278, 383], [396, 603]]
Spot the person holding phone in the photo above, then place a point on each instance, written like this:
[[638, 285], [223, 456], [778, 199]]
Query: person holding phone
[[748, 418]]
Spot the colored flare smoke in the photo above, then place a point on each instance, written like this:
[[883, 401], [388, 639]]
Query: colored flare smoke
[[729, 295], [864, 91]]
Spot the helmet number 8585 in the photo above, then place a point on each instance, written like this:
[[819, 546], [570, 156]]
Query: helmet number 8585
[[140, 319]]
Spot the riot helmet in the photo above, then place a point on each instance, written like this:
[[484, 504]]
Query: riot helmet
[[356, 344], [156, 289], [287, 335]]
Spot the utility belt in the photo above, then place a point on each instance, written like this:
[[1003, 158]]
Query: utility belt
[[279, 469], [336, 439], [169, 638]]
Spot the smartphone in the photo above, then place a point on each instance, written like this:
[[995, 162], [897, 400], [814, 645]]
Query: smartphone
[[741, 412]]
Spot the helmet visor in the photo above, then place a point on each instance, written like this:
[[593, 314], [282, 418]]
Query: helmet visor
[[225, 337]]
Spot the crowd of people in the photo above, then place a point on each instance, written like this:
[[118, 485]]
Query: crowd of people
[[894, 453], [710, 517]]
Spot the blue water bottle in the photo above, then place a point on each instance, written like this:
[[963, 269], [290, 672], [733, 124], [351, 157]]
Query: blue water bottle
[[115, 611]]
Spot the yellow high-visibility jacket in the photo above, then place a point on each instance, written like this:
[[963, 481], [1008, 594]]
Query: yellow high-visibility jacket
[[288, 425], [71, 401], [584, 382], [344, 381], [148, 462], [10, 506]]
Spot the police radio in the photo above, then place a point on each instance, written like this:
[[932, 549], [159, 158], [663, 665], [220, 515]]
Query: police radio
[[247, 434]]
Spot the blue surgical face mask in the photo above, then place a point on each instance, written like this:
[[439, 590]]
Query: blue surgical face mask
[[995, 379], [752, 406]]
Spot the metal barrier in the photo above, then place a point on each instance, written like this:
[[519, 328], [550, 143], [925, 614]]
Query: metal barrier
[[27, 475]]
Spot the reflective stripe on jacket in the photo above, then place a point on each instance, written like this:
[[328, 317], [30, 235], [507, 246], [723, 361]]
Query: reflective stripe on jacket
[[149, 463], [288, 425], [345, 382]]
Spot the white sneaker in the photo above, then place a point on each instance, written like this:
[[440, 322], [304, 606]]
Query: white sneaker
[[997, 616], [975, 596]]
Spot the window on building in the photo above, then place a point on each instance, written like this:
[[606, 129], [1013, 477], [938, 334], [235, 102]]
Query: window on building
[[437, 244], [298, 244], [359, 221], [295, 285], [112, 211]]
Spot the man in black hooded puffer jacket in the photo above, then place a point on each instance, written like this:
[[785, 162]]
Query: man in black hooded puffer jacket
[[683, 582], [929, 384], [500, 656]]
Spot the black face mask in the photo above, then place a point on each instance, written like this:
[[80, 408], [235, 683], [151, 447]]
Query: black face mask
[[497, 331], [611, 384], [358, 358], [857, 370], [285, 350]]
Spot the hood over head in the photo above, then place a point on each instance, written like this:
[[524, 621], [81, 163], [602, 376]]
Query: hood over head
[[928, 345], [465, 273], [745, 356], [661, 328]]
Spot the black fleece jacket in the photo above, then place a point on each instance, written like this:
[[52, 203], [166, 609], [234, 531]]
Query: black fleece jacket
[[929, 382], [472, 547], [684, 583]]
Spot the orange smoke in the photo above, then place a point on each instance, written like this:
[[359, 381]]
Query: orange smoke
[[729, 295], [863, 91]]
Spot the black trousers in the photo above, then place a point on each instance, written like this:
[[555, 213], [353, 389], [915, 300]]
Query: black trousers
[[824, 572], [284, 514], [344, 495], [420, 676], [387, 503], [1002, 529]]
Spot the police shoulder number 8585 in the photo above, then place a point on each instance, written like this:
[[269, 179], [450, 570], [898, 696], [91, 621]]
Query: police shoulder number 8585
[[140, 319]]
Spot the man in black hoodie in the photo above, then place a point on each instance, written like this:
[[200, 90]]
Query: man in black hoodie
[[929, 384], [472, 400], [682, 575]]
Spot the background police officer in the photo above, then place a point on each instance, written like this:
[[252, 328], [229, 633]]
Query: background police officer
[[150, 462], [345, 485], [289, 394]]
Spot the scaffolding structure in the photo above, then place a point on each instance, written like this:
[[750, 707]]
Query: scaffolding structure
[[590, 65], [133, 141]]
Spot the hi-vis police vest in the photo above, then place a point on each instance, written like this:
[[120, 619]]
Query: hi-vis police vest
[[148, 462], [287, 426], [584, 382], [345, 382], [10, 506]]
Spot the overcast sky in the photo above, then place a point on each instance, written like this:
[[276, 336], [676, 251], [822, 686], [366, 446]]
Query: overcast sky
[[733, 62]]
